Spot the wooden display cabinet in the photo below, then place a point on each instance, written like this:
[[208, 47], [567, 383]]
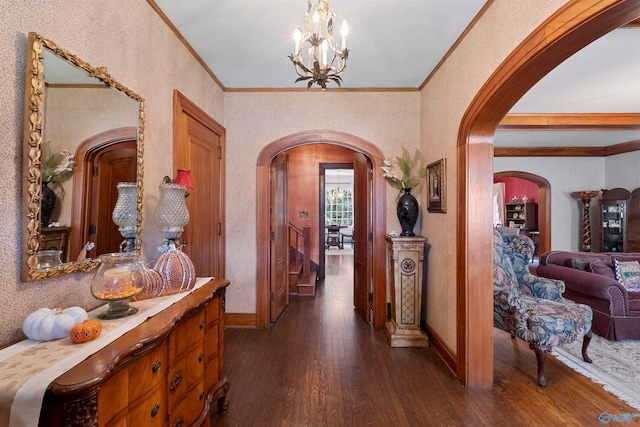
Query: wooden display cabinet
[[522, 215], [613, 220]]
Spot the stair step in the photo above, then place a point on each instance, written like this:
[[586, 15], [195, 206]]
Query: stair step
[[309, 288], [295, 266]]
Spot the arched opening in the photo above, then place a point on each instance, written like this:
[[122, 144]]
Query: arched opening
[[568, 30], [544, 205], [378, 215], [82, 175]]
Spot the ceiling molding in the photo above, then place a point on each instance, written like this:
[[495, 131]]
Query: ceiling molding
[[625, 147], [572, 121], [634, 23], [337, 89], [457, 42], [186, 44]]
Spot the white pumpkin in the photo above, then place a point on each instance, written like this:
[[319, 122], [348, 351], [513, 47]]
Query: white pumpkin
[[46, 324]]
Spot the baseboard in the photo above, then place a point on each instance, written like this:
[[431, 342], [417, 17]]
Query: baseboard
[[241, 320], [448, 357]]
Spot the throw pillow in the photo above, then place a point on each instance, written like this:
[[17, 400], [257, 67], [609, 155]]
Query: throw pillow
[[603, 268], [628, 274], [583, 263]]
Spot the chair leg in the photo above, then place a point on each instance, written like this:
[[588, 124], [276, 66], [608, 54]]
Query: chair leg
[[585, 343], [541, 355]]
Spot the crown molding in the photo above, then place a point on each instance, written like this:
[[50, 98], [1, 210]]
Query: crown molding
[[570, 121]]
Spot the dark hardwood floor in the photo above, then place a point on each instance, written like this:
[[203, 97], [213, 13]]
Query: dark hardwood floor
[[322, 365]]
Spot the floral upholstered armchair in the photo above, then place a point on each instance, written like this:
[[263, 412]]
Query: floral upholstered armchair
[[530, 307]]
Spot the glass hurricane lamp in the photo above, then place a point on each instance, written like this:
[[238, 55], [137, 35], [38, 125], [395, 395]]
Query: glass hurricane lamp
[[118, 278], [125, 214]]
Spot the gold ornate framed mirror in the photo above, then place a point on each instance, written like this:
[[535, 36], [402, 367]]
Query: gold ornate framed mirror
[[61, 91]]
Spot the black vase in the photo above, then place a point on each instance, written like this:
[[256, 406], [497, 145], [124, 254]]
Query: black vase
[[407, 213], [47, 203]]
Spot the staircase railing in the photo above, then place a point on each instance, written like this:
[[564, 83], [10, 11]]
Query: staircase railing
[[300, 242]]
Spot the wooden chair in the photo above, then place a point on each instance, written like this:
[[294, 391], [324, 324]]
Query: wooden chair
[[333, 237]]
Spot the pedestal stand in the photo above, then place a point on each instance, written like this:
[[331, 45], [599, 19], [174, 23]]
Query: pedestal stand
[[585, 197], [405, 256]]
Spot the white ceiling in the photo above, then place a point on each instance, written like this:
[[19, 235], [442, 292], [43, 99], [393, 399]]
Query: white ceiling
[[396, 44]]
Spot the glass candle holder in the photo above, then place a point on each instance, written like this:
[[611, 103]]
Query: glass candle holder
[[48, 259], [118, 278]]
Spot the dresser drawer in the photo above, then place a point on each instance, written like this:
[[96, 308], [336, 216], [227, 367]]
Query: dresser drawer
[[213, 310], [147, 372], [188, 332], [112, 402], [186, 371], [189, 408], [150, 411]]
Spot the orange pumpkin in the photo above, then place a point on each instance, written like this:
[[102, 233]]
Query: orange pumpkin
[[86, 331]]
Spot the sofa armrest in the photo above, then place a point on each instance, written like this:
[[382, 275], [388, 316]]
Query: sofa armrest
[[590, 284]]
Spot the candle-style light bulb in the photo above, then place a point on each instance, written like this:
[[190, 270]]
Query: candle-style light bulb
[[325, 48], [316, 20], [297, 36], [344, 30]]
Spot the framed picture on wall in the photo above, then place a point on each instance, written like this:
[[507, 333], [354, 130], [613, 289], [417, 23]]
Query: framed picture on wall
[[436, 180]]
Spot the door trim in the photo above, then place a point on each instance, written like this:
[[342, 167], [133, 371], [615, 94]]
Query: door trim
[[82, 176], [378, 214], [183, 106], [321, 223]]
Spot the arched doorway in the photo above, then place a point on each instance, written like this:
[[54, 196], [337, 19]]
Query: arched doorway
[[544, 204], [567, 31], [83, 174], [378, 215]]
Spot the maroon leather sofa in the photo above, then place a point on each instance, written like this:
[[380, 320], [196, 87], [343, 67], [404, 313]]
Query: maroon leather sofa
[[589, 278]]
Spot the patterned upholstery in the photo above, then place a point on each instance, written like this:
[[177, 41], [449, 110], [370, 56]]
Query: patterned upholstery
[[530, 307]]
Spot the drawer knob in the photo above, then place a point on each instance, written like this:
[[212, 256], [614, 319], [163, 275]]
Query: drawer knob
[[200, 357], [156, 366], [178, 422], [155, 410], [201, 395], [202, 324], [175, 381]]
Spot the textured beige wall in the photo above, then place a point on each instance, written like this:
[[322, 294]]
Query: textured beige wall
[[444, 101], [71, 115], [143, 54], [388, 120], [140, 52]]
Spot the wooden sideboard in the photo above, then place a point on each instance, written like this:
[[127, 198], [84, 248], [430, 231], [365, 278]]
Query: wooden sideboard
[[167, 371]]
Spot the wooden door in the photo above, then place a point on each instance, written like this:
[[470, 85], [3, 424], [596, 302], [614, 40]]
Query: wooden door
[[110, 165], [361, 233], [199, 147], [279, 289]]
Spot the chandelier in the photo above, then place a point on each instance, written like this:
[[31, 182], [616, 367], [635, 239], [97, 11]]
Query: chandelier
[[317, 57], [337, 194]]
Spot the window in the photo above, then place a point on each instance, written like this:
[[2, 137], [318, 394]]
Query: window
[[338, 206]]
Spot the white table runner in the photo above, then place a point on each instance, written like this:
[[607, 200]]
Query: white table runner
[[28, 367]]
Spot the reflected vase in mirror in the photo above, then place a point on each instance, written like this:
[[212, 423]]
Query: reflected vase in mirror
[[47, 204]]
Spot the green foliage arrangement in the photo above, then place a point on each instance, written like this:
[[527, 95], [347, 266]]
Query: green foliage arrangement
[[58, 167], [407, 164]]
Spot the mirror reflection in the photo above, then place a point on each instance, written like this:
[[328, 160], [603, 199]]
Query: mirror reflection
[[83, 136]]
